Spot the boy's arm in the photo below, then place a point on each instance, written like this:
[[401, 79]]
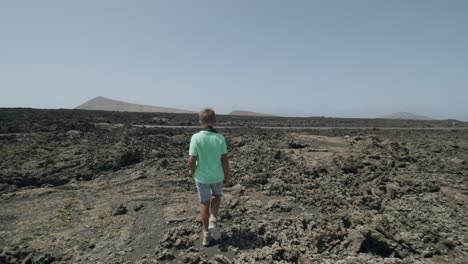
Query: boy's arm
[[225, 164], [192, 161]]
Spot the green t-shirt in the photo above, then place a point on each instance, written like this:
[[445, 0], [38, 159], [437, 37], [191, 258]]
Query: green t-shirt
[[208, 147]]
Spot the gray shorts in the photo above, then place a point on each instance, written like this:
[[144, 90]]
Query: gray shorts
[[205, 191]]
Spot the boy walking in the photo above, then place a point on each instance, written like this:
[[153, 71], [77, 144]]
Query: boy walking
[[209, 164]]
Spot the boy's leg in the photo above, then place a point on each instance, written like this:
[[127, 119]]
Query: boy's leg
[[205, 214], [213, 221], [215, 202], [204, 197]]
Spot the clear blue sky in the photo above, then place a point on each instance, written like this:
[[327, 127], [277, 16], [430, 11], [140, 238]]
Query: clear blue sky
[[306, 58]]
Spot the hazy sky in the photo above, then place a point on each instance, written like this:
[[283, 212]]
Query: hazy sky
[[308, 58]]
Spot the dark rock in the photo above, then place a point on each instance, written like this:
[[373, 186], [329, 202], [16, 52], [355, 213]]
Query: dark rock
[[138, 175], [293, 145], [74, 132], [277, 155], [279, 206], [164, 163], [130, 157], [165, 255], [376, 243], [120, 210], [138, 207], [220, 259], [354, 241], [190, 257]]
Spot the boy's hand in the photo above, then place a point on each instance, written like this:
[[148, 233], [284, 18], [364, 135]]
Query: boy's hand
[[225, 164], [227, 182], [192, 164]]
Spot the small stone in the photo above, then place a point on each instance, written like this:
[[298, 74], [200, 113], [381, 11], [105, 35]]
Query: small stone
[[28, 258], [138, 175], [165, 255], [220, 259], [178, 242], [138, 207], [354, 241], [192, 249], [164, 163], [120, 210], [73, 132], [277, 155]]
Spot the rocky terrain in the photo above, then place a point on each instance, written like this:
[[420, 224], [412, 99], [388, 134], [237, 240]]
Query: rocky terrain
[[91, 187]]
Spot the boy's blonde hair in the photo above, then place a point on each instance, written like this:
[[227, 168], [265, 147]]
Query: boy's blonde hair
[[207, 117]]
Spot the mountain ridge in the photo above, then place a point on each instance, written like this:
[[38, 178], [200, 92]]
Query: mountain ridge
[[107, 104], [248, 113], [407, 116]]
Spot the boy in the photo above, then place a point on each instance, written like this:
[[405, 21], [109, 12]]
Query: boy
[[209, 164]]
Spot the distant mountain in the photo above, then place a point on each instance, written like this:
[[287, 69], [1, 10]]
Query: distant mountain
[[106, 104], [247, 113], [407, 116]]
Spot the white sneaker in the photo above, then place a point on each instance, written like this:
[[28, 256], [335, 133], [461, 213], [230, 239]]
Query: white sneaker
[[212, 227], [206, 238], [213, 219]]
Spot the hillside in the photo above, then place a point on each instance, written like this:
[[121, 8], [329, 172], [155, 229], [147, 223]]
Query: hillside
[[407, 116], [106, 104], [247, 113]]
